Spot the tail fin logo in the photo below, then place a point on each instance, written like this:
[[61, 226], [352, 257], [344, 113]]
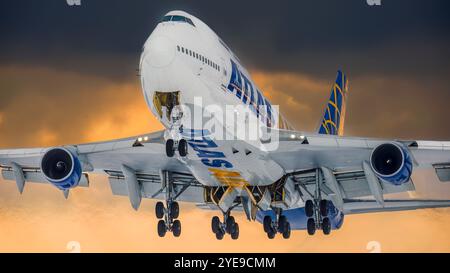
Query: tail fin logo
[[334, 116]]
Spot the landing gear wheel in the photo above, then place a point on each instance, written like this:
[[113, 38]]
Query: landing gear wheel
[[267, 223], [309, 208], [271, 234], [326, 226], [287, 230], [235, 231], [323, 207], [182, 147], [169, 148], [311, 226], [159, 210], [282, 221], [174, 210], [176, 228], [219, 235], [162, 228], [230, 224], [215, 224]]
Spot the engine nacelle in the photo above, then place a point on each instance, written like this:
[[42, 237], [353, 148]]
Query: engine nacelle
[[61, 167], [392, 163]]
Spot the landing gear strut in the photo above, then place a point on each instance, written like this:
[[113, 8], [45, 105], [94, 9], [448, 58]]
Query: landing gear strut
[[280, 225], [228, 225], [317, 211], [168, 214], [174, 141]]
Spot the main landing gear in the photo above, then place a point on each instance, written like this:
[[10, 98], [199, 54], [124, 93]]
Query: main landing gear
[[317, 211], [280, 225], [180, 145], [228, 225], [168, 214]]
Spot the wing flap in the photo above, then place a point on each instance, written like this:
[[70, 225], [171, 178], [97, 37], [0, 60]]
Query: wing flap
[[187, 188], [35, 176], [369, 206]]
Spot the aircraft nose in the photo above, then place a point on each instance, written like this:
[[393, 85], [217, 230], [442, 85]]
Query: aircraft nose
[[159, 51]]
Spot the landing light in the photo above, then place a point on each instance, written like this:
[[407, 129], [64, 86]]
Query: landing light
[[140, 139], [146, 138], [292, 136]]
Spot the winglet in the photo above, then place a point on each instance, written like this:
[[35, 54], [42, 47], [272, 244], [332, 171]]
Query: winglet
[[333, 119]]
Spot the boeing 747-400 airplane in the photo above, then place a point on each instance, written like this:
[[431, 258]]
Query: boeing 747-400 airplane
[[226, 148]]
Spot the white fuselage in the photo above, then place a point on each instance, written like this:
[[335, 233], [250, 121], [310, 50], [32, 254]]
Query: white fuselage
[[192, 60]]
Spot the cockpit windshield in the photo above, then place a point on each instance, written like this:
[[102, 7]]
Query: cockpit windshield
[[177, 18]]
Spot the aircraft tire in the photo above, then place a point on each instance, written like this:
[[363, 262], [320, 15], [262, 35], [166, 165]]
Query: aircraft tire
[[162, 228], [311, 226], [176, 228], [169, 148], [326, 226], [323, 207], [271, 234], [174, 210], [159, 210], [182, 147], [309, 208], [267, 223], [235, 233], [215, 224], [282, 223], [287, 230], [230, 224], [219, 235]]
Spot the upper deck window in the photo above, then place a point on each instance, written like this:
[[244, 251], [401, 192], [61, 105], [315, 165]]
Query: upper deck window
[[177, 18]]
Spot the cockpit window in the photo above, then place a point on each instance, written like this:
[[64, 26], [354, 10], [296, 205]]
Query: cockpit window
[[166, 18], [177, 18], [189, 21]]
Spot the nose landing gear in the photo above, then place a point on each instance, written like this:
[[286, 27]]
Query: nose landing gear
[[174, 141], [180, 145], [228, 225]]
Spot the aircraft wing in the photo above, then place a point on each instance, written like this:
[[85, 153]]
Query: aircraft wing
[[143, 155], [339, 159], [342, 167]]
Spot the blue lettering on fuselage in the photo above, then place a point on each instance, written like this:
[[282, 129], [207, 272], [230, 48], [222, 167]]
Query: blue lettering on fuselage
[[200, 141], [237, 87], [235, 81]]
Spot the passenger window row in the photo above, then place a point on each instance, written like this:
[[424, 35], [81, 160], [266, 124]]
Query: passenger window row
[[198, 57]]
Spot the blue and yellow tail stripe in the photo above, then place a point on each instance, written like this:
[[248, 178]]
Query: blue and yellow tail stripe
[[334, 116]]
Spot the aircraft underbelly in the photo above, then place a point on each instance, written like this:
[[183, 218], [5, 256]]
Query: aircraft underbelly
[[232, 163]]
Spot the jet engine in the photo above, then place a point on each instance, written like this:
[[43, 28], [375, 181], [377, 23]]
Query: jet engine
[[61, 167], [392, 163]]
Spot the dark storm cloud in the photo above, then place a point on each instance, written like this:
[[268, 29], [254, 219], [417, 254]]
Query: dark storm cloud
[[314, 37]]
